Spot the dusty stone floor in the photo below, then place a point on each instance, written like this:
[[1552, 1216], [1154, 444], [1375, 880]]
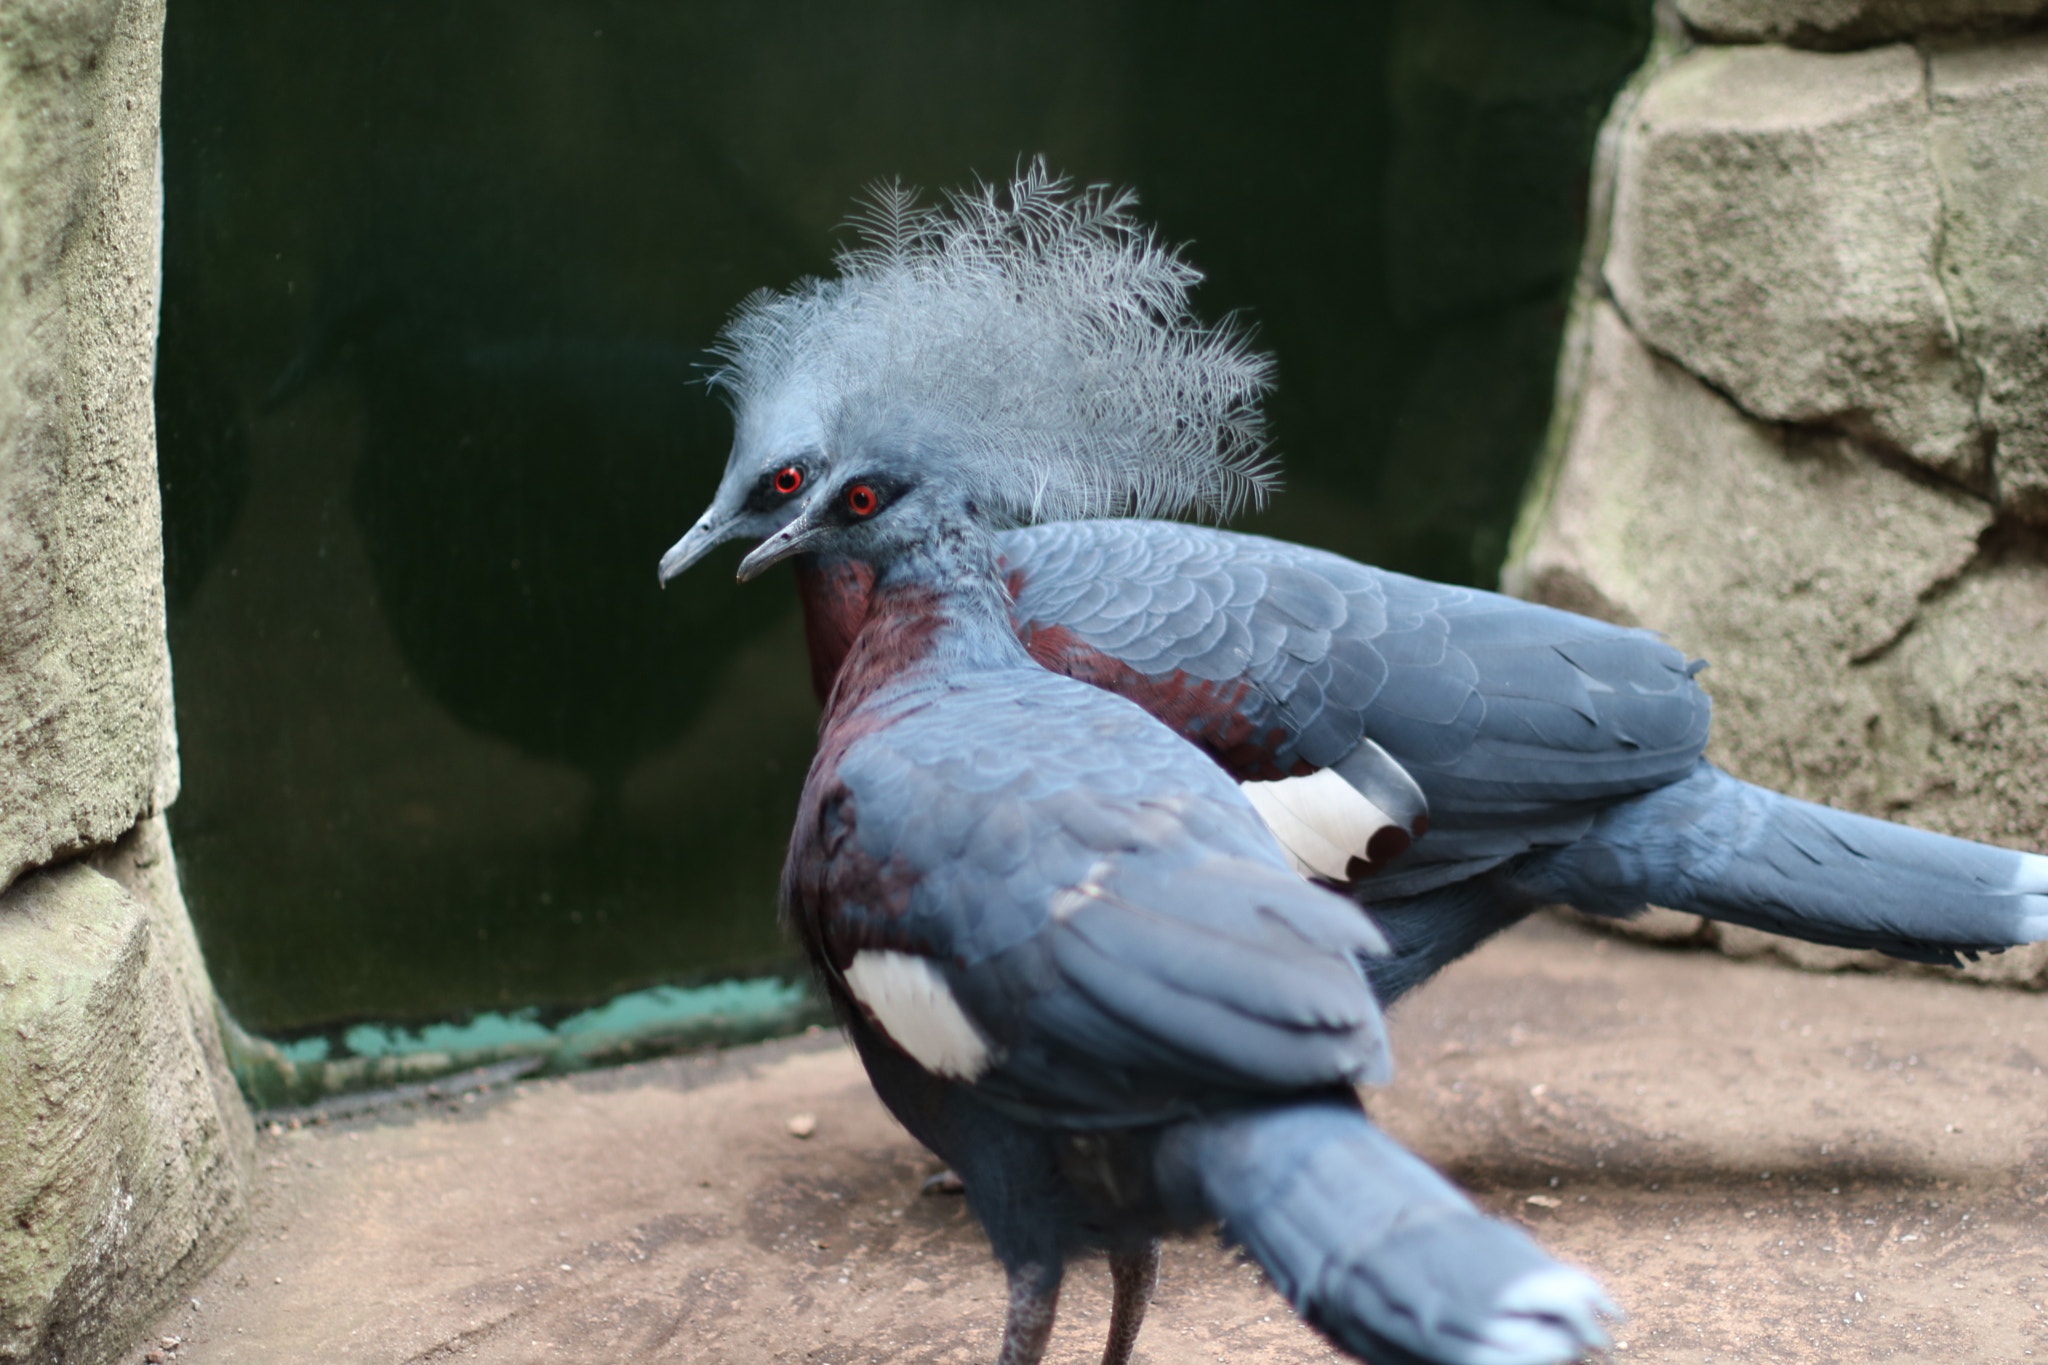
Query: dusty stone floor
[[1762, 1165]]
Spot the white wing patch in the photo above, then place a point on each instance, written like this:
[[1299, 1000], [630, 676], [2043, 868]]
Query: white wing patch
[[1321, 821], [914, 1006], [2031, 876]]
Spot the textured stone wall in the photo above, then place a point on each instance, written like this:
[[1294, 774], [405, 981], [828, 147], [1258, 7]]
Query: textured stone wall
[[1803, 424], [1849, 23], [127, 1145], [86, 745], [124, 1147]]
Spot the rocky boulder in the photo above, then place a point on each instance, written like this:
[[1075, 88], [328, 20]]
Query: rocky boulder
[[1846, 23], [128, 1148], [1801, 429], [86, 743], [124, 1145], [1854, 242]]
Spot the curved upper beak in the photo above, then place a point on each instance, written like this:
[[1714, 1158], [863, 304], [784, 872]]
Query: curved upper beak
[[792, 539], [711, 530]]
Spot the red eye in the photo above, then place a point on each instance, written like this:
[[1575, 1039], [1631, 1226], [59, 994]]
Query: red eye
[[861, 500], [788, 480]]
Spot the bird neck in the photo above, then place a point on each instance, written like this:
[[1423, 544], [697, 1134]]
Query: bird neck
[[835, 594], [934, 609], [954, 570]]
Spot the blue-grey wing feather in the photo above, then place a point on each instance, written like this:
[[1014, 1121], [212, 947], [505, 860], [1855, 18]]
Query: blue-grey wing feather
[[1516, 721], [1103, 902]]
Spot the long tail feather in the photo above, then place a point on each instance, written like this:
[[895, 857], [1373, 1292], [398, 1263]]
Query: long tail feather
[[1373, 1247], [1719, 847]]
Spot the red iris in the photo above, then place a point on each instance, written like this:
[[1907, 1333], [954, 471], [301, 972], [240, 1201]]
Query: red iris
[[788, 480], [861, 500]]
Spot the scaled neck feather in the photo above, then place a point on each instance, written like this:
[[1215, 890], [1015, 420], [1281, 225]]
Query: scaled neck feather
[[951, 572], [937, 610]]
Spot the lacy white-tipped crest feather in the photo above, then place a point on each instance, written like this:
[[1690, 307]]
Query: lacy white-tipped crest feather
[[1042, 349]]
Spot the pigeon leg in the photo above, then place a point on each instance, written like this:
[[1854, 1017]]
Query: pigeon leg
[[1034, 1299], [1134, 1275]]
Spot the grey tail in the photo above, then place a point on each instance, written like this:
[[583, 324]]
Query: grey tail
[[1371, 1246], [1719, 847]]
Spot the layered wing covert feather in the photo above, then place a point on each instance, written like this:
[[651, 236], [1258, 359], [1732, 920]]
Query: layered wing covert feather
[[1517, 721], [1098, 898]]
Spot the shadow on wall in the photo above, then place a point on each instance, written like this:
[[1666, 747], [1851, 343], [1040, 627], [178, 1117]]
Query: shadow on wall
[[436, 288]]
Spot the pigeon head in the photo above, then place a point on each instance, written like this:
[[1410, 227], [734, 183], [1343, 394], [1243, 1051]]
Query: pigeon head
[[766, 485], [1030, 348]]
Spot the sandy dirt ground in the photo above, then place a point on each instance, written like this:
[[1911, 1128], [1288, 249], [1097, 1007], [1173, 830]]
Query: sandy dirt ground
[[1761, 1164]]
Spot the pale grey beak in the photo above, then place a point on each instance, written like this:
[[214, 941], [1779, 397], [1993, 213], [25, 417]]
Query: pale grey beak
[[792, 539], [698, 541]]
